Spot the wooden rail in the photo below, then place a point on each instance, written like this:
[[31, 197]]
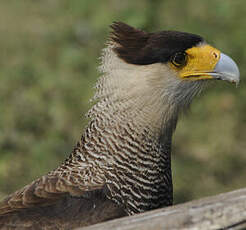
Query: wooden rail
[[225, 211]]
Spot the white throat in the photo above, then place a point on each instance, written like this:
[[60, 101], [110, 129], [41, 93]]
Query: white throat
[[142, 94]]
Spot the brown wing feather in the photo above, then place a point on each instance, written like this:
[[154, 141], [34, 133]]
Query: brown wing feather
[[66, 213], [43, 192]]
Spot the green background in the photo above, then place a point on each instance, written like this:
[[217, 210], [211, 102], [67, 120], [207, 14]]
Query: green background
[[49, 53]]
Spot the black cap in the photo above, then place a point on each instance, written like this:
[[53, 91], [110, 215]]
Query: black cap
[[141, 48]]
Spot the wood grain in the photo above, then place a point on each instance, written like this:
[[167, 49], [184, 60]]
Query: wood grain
[[224, 211]]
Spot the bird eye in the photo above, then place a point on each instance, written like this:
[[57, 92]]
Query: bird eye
[[179, 59]]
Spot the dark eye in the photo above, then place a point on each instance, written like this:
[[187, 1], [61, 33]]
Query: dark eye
[[179, 59]]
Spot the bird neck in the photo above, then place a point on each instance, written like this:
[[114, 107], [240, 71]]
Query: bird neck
[[129, 138], [135, 94], [132, 151], [127, 143]]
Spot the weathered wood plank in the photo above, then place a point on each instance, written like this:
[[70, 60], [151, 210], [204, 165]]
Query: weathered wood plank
[[224, 211]]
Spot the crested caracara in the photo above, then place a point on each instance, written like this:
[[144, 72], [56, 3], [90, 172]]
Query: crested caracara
[[122, 163]]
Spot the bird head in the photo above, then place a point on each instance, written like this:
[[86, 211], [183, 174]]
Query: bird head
[[188, 55], [155, 75]]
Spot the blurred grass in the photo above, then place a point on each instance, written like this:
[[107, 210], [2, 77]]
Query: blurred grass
[[48, 60]]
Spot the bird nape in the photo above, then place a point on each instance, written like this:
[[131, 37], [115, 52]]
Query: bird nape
[[122, 163]]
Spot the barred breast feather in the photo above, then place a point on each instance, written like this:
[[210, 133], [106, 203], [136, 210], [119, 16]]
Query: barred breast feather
[[122, 164]]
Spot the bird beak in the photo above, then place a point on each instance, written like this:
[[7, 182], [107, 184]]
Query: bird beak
[[206, 62], [226, 69]]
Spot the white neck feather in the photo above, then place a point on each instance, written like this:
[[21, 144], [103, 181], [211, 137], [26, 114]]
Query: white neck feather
[[148, 95]]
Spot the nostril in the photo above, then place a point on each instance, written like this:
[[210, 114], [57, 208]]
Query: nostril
[[215, 55]]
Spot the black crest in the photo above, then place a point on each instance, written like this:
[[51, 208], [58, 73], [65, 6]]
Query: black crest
[[138, 47]]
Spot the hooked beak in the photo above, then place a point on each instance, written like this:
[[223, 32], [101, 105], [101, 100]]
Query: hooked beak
[[206, 62], [226, 69]]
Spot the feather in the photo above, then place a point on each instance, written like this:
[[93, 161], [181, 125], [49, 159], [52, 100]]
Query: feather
[[122, 164]]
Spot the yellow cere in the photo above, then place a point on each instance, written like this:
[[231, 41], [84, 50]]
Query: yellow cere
[[200, 61]]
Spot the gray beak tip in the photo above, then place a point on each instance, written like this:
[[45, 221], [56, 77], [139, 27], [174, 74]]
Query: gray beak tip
[[227, 69]]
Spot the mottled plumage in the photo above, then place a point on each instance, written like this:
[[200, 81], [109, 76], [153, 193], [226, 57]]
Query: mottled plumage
[[122, 164]]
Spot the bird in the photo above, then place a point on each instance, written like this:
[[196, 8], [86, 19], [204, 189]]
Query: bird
[[121, 166]]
